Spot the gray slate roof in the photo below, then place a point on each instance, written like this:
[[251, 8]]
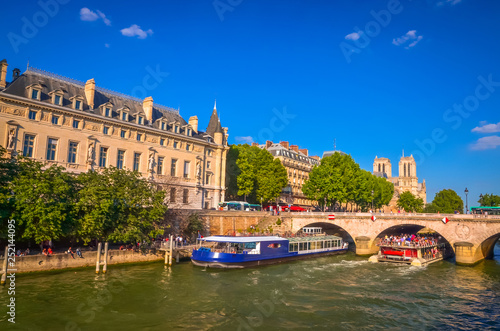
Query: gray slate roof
[[71, 88]]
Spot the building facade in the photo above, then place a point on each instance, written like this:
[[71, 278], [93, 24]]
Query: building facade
[[298, 165], [407, 181], [57, 120]]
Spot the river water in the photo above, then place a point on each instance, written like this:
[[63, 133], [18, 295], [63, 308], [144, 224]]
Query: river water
[[331, 293]]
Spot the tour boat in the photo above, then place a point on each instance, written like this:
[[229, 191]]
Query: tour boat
[[416, 254], [241, 252]]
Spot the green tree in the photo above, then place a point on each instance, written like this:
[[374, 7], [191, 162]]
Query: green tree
[[9, 168], [410, 203], [339, 179], [448, 201], [254, 175], [271, 179], [118, 205], [232, 172], [430, 208], [43, 201], [489, 200], [194, 224]]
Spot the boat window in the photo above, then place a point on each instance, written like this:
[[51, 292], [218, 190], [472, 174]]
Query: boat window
[[250, 245], [274, 245]]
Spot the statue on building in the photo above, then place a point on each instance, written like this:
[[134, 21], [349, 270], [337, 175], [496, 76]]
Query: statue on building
[[12, 140], [91, 153], [198, 169], [151, 162]]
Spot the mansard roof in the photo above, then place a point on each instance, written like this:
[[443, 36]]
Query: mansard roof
[[71, 88]]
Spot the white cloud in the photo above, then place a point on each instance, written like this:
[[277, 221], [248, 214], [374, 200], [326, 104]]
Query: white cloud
[[245, 140], [487, 128], [410, 35], [353, 36], [104, 19], [136, 30], [490, 142], [88, 15]]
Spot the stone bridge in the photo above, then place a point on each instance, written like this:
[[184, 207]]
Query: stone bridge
[[472, 239]]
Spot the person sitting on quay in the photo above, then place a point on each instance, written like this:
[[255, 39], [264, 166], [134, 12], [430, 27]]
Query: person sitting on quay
[[71, 252], [49, 251], [79, 253]]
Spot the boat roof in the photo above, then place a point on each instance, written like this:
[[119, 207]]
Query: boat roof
[[228, 239]]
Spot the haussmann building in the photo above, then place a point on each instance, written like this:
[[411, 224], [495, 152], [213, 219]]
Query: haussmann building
[[82, 127]]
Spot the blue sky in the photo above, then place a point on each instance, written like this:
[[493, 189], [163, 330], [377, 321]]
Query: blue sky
[[377, 76]]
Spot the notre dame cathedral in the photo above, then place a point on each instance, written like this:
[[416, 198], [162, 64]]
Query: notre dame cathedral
[[407, 181]]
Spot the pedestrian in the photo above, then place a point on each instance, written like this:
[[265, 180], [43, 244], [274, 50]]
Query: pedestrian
[[79, 253], [69, 252]]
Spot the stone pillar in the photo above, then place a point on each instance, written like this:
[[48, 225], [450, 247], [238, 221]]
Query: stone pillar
[[363, 246], [465, 253]]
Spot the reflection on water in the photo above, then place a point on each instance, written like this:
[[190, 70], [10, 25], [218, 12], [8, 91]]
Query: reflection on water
[[339, 292]]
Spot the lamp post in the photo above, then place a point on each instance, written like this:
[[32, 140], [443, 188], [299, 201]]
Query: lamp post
[[372, 200], [466, 202]]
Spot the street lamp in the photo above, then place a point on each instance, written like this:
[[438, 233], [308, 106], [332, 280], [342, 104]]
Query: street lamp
[[466, 202], [372, 199]]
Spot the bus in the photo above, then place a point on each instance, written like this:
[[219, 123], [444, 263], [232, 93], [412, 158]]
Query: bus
[[234, 205], [484, 209]]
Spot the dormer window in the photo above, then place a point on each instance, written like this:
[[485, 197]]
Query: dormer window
[[124, 115], [189, 132], [57, 97], [77, 102], [107, 112], [162, 125], [176, 129], [140, 120], [34, 91]]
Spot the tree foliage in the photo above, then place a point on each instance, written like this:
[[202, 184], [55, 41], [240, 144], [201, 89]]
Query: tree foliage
[[339, 179], [448, 201], [253, 174], [410, 203], [489, 200], [8, 170], [49, 203], [43, 201], [118, 205]]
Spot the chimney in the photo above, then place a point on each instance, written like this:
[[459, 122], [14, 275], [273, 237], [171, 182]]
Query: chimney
[[295, 148], [3, 73], [285, 144], [15, 74], [89, 92], [193, 121], [268, 144], [254, 144], [304, 151], [147, 106]]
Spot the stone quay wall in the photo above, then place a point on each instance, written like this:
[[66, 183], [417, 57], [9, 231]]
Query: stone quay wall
[[40, 262]]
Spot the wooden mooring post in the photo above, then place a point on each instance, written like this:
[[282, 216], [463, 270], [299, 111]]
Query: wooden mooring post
[[169, 251], [4, 266], [98, 262]]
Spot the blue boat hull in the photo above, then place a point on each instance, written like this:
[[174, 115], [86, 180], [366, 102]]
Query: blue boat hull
[[227, 260]]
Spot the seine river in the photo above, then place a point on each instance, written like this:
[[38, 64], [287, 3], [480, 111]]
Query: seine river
[[332, 293]]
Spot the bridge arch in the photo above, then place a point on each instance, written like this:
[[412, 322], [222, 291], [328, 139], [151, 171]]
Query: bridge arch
[[333, 229], [409, 229]]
